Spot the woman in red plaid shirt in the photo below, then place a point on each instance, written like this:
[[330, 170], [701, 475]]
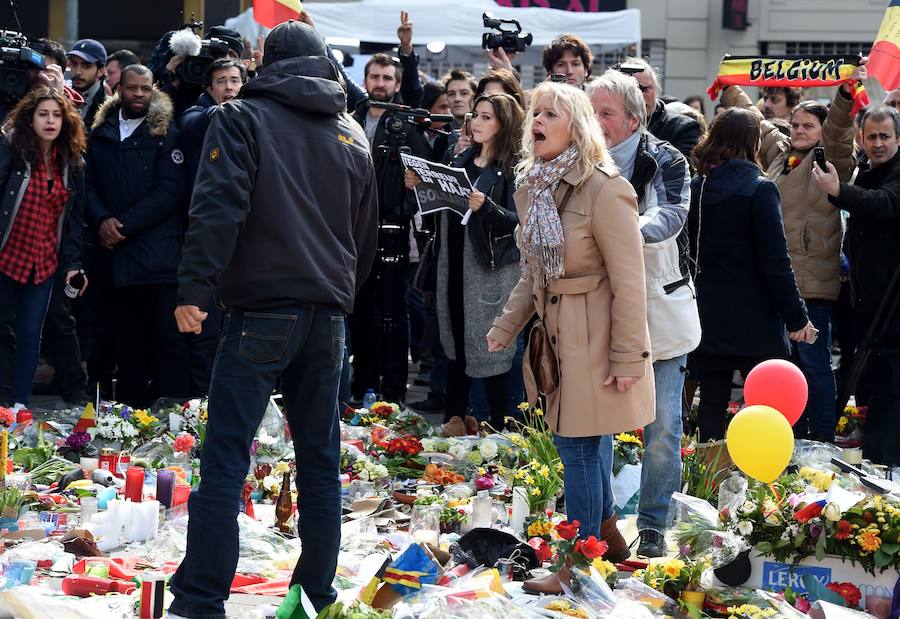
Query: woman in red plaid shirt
[[40, 218]]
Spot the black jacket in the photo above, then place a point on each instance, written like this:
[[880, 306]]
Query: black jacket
[[193, 125], [396, 205], [96, 103], [140, 182], [682, 132], [492, 227], [284, 210], [70, 227], [873, 239], [746, 291]]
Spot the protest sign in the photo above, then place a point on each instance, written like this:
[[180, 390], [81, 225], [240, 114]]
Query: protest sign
[[442, 187]]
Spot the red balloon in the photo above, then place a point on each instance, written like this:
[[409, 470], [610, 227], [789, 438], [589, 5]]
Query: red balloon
[[779, 384]]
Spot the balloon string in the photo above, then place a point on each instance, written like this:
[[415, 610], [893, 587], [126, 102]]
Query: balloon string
[[778, 500]]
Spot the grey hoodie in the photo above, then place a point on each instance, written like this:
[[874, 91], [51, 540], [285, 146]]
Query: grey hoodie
[[284, 209]]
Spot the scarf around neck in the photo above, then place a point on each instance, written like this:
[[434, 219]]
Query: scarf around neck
[[542, 235]]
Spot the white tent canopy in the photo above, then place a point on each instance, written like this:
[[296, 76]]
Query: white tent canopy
[[457, 23]]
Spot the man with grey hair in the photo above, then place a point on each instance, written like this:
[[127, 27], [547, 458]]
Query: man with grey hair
[[892, 98], [660, 177], [682, 132], [873, 252]]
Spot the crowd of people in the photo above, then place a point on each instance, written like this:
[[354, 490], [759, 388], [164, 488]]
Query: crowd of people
[[176, 239]]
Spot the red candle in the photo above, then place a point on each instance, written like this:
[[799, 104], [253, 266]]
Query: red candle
[[134, 483]]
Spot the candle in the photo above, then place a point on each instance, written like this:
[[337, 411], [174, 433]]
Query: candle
[[134, 484], [165, 486], [852, 455]]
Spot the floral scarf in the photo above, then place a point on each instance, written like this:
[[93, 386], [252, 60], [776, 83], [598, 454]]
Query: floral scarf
[[542, 234]]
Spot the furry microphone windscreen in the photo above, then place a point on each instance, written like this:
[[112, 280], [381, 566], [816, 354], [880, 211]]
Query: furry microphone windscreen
[[185, 43]]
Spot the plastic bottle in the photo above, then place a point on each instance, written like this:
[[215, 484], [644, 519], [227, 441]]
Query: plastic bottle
[[85, 586], [369, 399]]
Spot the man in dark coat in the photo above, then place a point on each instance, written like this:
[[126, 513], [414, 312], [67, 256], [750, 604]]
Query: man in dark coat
[[873, 250], [283, 228], [682, 132], [135, 182]]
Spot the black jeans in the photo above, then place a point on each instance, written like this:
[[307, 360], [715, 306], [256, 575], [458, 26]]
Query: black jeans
[[882, 433], [203, 350], [380, 329], [715, 376], [153, 358], [62, 344], [304, 346]]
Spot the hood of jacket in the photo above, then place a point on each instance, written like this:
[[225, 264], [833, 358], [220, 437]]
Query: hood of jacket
[[159, 113], [308, 83], [732, 178]]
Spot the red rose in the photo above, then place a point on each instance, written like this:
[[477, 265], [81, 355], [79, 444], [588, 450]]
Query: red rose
[[568, 530], [813, 510], [592, 548], [541, 548], [848, 591]]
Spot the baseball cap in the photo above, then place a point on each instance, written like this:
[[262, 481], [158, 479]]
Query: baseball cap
[[89, 50], [231, 37], [293, 39]]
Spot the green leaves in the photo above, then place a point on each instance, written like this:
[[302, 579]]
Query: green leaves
[[882, 559], [820, 547]]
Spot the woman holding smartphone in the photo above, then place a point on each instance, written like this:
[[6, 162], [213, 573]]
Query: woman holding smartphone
[[478, 263], [41, 221]]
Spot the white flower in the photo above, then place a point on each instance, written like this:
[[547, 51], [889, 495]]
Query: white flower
[[265, 439], [428, 444], [270, 483], [458, 450], [364, 475], [832, 512], [745, 528], [488, 449], [379, 471], [748, 507]]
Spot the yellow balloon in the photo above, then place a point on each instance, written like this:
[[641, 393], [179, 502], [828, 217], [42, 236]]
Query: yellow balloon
[[760, 441]]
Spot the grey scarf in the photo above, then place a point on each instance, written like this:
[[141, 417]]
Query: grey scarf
[[543, 245]]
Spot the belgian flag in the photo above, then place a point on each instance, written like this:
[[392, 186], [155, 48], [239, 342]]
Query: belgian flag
[[884, 59], [270, 13]]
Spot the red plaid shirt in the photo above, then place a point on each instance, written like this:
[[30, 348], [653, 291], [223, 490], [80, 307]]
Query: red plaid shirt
[[31, 246]]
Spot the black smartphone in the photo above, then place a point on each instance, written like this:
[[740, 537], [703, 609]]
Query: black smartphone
[[558, 77], [819, 154]]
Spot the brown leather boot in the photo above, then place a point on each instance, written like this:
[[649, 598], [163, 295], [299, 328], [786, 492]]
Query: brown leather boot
[[618, 549], [551, 584]]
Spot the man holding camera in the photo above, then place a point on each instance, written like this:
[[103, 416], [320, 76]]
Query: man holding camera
[[87, 63], [379, 325]]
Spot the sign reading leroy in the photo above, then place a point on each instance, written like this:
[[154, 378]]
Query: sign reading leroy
[[442, 187]]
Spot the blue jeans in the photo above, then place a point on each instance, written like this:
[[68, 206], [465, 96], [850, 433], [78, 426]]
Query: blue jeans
[[815, 361], [661, 472], [586, 478], [304, 346], [30, 302]]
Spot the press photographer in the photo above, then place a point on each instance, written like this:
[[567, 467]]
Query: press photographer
[[379, 324], [181, 59]]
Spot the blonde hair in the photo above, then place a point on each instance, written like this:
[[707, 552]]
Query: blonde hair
[[587, 135]]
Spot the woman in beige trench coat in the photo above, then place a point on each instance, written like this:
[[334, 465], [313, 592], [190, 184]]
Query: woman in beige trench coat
[[583, 274]]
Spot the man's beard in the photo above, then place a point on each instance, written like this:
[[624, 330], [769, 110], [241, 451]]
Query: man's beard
[[381, 96], [131, 112]]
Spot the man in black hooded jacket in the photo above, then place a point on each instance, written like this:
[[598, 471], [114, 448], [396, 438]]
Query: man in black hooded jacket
[[283, 225]]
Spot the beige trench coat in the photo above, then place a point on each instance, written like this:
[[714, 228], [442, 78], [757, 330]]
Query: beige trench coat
[[596, 314]]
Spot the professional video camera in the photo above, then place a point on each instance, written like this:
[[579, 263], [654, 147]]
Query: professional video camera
[[16, 58], [402, 114], [628, 68], [198, 53], [510, 40]]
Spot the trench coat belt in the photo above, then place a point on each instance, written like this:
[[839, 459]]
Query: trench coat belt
[[577, 284]]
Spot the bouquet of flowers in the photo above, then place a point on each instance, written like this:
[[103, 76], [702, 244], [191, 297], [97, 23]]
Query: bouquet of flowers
[[541, 481], [145, 423], [266, 448], [367, 470], [114, 428], [7, 417], [627, 449], [196, 416], [750, 611], [383, 413], [778, 522], [849, 429], [673, 577], [573, 551], [539, 526], [451, 518], [435, 445], [400, 456], [184, 443]]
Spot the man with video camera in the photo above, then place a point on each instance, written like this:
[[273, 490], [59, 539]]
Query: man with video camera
[[181, 59], [379, 324]]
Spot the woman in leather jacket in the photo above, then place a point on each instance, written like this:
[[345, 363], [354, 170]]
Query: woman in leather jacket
[[478, 264]]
